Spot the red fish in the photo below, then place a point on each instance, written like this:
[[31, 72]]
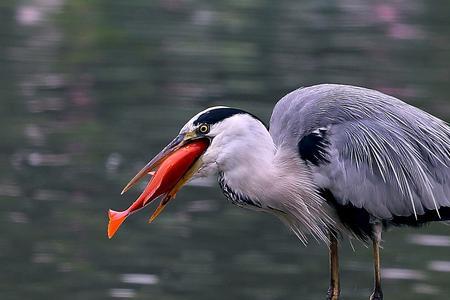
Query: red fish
[[176, 166]]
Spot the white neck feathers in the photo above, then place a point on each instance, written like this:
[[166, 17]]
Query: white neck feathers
[[277, 180]]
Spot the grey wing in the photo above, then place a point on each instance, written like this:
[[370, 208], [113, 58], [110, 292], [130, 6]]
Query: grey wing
[[387, 168], [382, 154]]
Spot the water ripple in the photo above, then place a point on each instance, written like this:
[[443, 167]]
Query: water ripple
[[145, 279], [429, 240], [427, 289], [439, 266], [405, 274], [122, 293]]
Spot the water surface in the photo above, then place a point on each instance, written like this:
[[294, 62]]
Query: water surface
[[90, 90]]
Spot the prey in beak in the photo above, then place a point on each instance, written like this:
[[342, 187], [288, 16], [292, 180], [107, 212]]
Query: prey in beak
[[174, 165]]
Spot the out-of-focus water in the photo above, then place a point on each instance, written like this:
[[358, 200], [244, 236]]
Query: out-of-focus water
[[90, 90]]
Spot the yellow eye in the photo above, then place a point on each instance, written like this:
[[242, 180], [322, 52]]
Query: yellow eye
[[204, 128]]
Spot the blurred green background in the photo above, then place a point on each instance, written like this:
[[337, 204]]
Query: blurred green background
[[92, 89]]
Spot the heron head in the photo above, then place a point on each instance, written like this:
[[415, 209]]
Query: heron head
[[221, 132], [231, 132]]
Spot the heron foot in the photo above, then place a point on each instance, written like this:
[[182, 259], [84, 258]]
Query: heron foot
[[333, 293], [376, 295]]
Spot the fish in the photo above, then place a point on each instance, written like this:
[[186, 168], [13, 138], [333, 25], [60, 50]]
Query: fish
[[173, 171]]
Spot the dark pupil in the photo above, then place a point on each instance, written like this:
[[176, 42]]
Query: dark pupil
[[204, 128]]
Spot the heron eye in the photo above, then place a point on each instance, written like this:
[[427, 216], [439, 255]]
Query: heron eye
[[204, 128]]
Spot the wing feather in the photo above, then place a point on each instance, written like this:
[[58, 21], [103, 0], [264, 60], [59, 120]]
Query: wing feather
[[377, 166], [384, 155]]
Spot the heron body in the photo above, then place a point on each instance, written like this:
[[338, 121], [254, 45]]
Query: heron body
[[336, 160], [373, 157]]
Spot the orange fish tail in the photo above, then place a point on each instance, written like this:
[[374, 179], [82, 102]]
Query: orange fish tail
[[116, 219]]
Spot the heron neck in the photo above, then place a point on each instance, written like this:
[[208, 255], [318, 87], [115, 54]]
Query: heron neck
[[249, 170], [264, 177]]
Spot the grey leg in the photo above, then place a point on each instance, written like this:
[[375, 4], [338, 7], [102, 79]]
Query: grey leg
[[377, 292], [334, 289]]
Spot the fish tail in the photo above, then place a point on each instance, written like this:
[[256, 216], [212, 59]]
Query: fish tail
[[116, 219]]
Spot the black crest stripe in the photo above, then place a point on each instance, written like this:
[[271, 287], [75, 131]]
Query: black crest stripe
[[219, 114]]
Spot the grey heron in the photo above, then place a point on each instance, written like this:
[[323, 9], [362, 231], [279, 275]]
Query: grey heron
[[336, 161]]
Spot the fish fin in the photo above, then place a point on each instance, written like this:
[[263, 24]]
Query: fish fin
[[160, 207], [116, 219]]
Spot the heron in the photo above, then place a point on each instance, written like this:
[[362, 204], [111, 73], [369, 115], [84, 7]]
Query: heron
[[335, 161]]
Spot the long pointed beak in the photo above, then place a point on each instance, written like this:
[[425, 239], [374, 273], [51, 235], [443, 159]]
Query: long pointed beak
[[156, 161], [175, 164]]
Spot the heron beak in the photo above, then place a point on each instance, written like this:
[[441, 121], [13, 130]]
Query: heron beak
[[174, 165], [175, 144]]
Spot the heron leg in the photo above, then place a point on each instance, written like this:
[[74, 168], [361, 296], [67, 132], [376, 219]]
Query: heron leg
[[334, 289], [377, 293]]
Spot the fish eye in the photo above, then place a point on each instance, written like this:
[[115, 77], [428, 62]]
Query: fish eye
[[204, 128]]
